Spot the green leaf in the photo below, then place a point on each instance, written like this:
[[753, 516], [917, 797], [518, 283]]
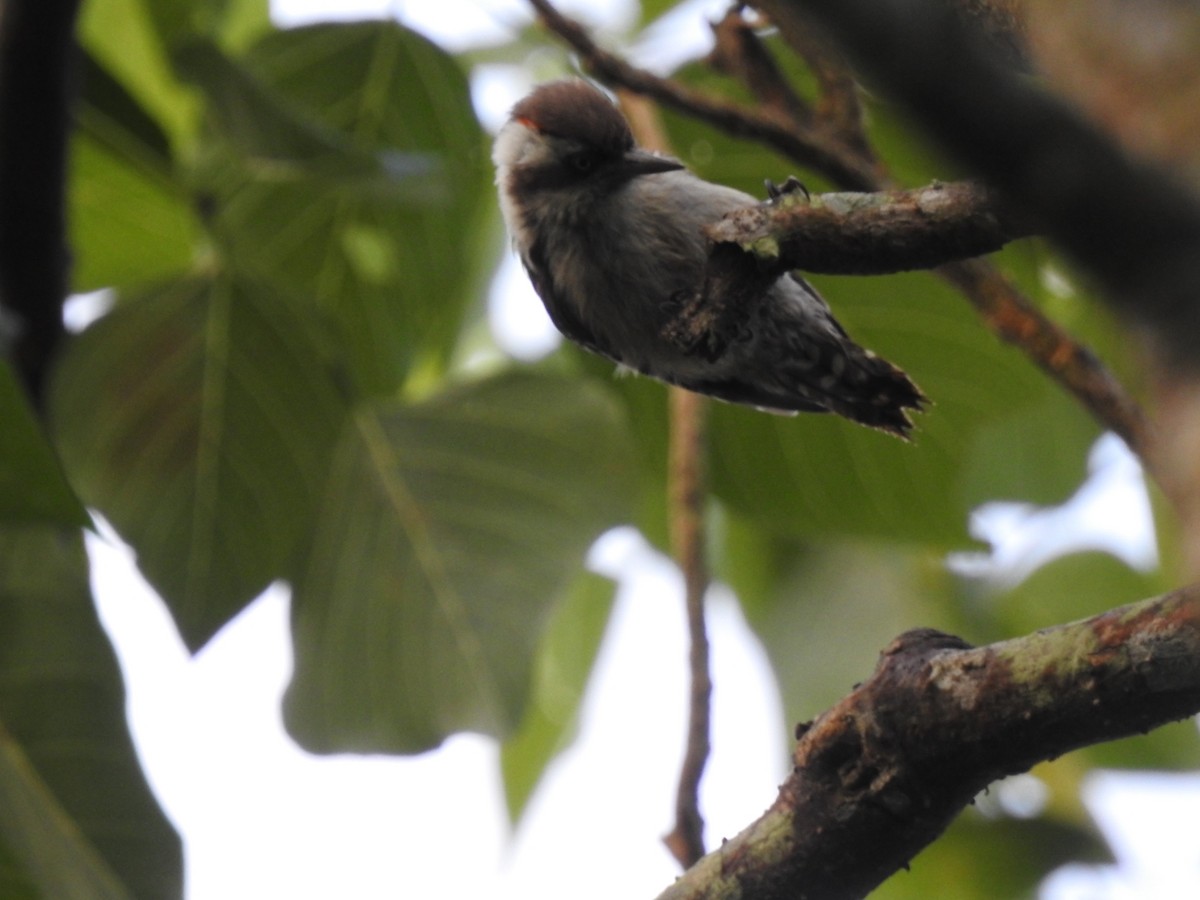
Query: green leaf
[[564, 663], [1021, 455], [1000, 859], [129, 226], [123, 37], [117, 120], [1067, 588], [233, 22], [131, 221], [76, 815], [43, 853], [266, 127], [199, 418], [243, 21], [32, 486], [448, 529], [824, 611], [388, 251]]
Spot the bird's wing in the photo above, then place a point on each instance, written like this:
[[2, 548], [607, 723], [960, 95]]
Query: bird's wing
[[561, 313]]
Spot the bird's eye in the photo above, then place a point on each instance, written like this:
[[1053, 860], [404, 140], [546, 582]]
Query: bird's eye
[[582, 162]]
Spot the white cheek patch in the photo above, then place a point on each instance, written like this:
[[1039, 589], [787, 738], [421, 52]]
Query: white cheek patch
[[516, 146]]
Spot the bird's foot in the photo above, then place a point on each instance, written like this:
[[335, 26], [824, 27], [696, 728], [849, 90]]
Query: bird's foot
[[775, 192]]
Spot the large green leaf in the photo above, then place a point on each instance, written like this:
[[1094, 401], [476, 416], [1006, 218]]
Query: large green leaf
[[32, 486], [267, 128], [124, 38], [447, 530], [131, 220], [42, 853], [564, 663], [199, 419], [231, 22], [109, 111], [129, 226], [388, 251], [74, 805]]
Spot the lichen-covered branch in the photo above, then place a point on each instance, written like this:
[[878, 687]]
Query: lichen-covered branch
[[881, 774], [860, 234], [872, 233]]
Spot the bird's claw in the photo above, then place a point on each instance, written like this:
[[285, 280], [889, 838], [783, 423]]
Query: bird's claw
[[793, 184]]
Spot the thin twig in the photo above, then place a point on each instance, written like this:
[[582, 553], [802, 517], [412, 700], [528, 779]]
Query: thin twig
[[686, 493], [739, 52], [818, 150], [1012, 317], [838, 108]]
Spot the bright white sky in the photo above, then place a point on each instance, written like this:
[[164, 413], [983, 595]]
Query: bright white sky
[[262, 819]]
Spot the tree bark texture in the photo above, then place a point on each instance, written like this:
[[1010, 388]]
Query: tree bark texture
[[881, 774]]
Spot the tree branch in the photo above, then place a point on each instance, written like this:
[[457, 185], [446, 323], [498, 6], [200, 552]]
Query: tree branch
[[821, 150], [881, 774], [871, 234], [844, 234], [36, 92], [738, 52], [838, 104], [1128, 222]]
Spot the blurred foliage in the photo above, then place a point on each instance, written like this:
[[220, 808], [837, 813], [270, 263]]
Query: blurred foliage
[[993, 859], [563, 664], [436, 555], [32, 486], [297, 228], [77, 819]]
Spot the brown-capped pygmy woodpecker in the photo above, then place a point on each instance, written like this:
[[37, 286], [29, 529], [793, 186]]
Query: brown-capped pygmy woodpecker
[[611, 237]]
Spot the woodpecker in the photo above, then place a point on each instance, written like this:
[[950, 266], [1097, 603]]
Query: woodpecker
[[610, 235]]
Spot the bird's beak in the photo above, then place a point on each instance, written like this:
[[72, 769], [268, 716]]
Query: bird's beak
[[643, 162]]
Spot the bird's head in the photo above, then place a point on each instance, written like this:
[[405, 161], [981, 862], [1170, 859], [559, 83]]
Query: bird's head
[[567, 136]]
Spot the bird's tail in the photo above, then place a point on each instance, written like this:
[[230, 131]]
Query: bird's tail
[[861, 386]]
